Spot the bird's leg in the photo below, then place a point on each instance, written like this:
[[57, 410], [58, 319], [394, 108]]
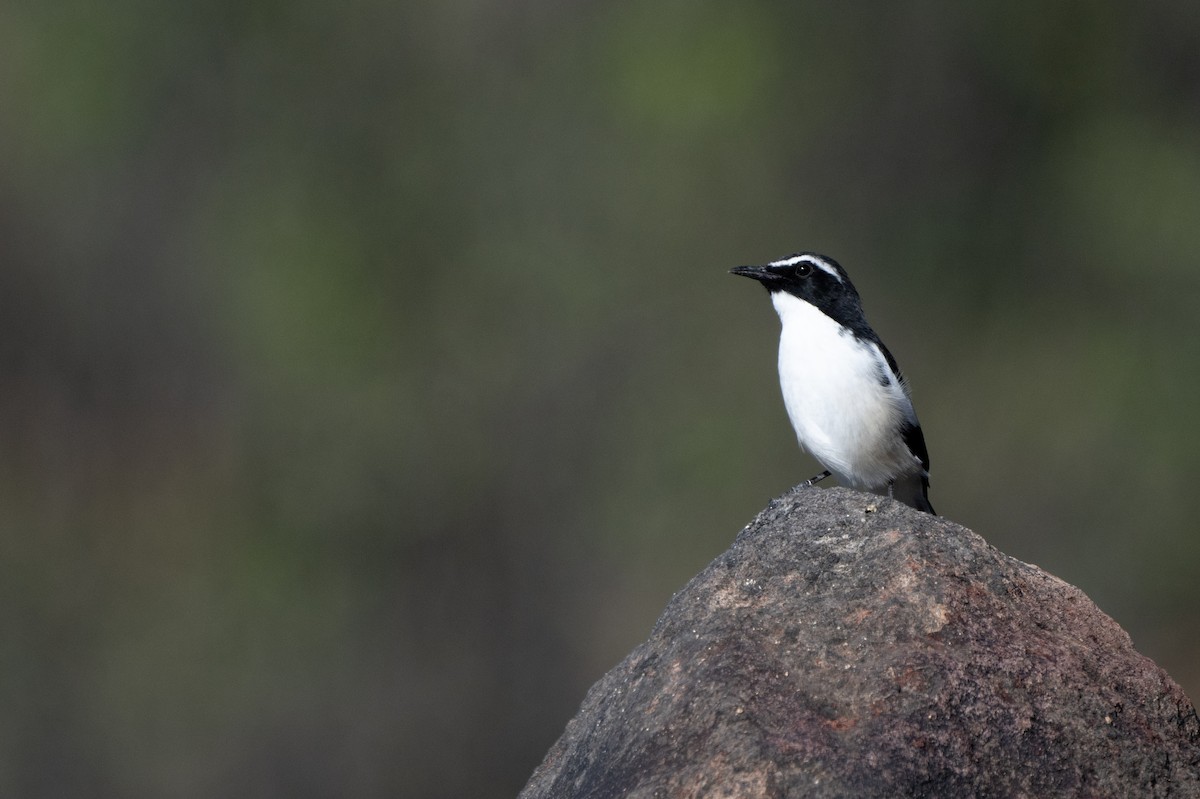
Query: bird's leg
[[891, 485], [812, 481]]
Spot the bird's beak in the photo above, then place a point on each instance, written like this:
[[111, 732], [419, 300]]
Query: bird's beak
[[763, 274]]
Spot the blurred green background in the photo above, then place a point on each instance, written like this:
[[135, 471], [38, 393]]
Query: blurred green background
[[371, 376]]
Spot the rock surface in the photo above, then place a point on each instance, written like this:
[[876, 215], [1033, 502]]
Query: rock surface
[[848, 646]]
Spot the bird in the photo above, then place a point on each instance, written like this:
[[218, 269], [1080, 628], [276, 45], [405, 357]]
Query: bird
[[845, 395]]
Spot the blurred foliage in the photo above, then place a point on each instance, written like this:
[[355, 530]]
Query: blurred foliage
[[371, 376]]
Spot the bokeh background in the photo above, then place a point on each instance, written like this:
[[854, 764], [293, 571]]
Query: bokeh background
[[370, 375]]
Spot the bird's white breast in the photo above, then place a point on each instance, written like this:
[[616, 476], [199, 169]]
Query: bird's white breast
[[834, 391]]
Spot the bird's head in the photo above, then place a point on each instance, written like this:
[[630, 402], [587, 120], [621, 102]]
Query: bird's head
[[816, 279]]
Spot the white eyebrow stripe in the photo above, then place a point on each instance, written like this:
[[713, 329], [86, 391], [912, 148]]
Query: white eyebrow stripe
[[812, 259], [795, 259]]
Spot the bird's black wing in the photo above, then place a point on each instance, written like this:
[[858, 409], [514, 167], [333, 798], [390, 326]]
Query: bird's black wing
[[871, 336], [914, 439]]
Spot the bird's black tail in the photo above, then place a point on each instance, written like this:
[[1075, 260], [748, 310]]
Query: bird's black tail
[[914, 492]]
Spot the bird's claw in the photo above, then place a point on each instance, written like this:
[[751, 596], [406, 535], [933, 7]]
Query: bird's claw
[[812, 481]]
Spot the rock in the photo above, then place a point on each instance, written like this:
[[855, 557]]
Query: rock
[[849, 646]]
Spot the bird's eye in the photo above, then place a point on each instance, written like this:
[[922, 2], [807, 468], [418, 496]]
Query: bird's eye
[[803, 269]]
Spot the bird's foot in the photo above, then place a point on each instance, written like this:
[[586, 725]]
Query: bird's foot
[[812, 481]]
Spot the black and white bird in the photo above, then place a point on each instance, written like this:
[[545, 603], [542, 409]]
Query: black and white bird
[[843, 391]]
